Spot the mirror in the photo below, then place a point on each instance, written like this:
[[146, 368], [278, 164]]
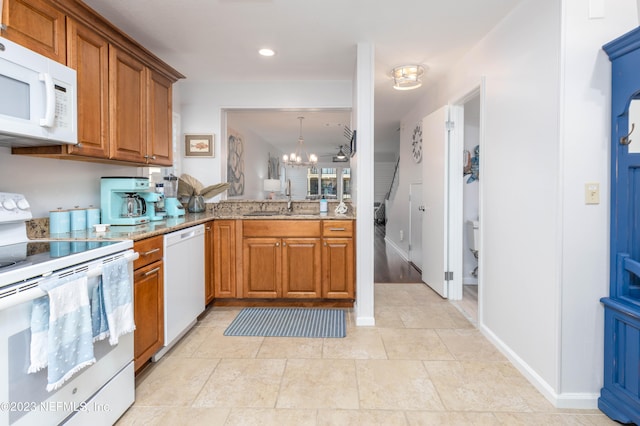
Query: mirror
[[268, 133]]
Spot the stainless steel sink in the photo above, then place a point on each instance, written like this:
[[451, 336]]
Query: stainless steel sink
[[259, 213]]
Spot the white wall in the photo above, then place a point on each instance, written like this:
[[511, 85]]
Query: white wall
[[584, 156], [49, 183], [545, 135], [362, 169]]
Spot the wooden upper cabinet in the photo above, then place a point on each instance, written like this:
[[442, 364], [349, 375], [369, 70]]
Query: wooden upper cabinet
[[159, 128], [36, 24], [127, 97], [88, 54], [124, 91]]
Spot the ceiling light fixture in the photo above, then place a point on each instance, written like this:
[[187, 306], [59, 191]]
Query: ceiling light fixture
[[407, 77], [341, 155], [295, 158], [266, 52]]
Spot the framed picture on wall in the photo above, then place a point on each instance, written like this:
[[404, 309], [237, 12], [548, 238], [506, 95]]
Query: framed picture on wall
[[198, 145]]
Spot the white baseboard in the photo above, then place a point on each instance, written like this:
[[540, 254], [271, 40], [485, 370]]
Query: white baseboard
[[403, 254], [562, 400], [365, 321]]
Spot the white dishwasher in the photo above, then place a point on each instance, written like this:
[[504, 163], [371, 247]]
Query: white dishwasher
[[183, 283]]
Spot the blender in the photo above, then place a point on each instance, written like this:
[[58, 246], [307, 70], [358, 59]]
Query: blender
[[172, 205]]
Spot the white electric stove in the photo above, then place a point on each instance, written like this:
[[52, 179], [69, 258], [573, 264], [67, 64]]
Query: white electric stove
[[98, 394]]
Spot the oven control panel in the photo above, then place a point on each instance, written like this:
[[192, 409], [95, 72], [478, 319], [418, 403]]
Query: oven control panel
[[14, 207]]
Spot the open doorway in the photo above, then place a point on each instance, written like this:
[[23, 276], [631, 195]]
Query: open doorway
[[471, 207]]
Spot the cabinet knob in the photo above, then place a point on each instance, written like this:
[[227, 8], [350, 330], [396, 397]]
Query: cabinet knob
[[325, 244], [284, 244], [277, 244]]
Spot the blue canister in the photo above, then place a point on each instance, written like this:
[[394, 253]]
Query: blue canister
[[93, 216], [78, 219], [59, 221]]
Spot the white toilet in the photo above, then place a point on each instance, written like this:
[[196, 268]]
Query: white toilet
[[474, 240]]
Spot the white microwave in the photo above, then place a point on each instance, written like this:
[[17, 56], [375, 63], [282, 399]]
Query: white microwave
[[38, 99]]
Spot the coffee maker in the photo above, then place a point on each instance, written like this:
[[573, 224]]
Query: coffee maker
[[122, 201]]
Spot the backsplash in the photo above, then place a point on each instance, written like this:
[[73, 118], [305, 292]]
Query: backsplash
[[240, 207]]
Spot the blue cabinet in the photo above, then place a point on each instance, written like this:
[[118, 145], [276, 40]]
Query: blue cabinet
[[620, 394]]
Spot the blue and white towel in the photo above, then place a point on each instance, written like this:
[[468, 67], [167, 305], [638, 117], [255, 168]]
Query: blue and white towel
[[118, 299], [98, 314], [68, 331]]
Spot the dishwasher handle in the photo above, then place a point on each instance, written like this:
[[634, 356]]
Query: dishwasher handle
[[183, 235]]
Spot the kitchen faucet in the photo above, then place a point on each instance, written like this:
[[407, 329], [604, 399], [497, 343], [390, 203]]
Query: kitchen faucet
[[287, 192]]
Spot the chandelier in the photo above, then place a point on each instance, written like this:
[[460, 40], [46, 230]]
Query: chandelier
[[296, 158]]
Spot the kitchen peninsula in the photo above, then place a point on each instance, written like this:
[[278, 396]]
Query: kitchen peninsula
[[258, 252]]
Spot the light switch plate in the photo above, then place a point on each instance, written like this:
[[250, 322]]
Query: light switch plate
[[592, 193]]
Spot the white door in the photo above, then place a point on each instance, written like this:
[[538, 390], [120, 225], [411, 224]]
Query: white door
[[435, 140], [416, 208]]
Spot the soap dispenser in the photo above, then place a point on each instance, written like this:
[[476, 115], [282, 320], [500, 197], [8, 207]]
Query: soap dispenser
[[323, 206]]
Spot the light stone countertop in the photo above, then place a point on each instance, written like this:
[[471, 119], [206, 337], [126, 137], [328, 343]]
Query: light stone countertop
[[38, 229]]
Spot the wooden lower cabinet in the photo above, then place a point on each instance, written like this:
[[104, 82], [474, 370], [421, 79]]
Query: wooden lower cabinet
[[338, 266], [301, 260], [282, 259], [281, 267], [148, 300], [224, 259], [209, 283]]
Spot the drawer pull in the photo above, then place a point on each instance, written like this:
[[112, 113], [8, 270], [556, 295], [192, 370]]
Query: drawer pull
[[336, 229], [151, 272], [155, 250]]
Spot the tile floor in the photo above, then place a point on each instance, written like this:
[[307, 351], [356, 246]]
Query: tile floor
[[423, 363]]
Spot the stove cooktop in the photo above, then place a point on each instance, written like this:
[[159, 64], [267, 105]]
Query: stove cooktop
[[22, 261]]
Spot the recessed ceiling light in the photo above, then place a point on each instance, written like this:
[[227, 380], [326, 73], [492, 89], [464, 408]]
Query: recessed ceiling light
[[266, 52]]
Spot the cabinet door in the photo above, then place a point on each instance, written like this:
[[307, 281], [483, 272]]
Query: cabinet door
[[35, 24], [262, 267], [127, 126], [148, 299], [208, 263], [301, 276], [224, 259], [88, 54], [338, 268], [159, 130]]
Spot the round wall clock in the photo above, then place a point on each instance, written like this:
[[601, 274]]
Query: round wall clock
[[416, 144]]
